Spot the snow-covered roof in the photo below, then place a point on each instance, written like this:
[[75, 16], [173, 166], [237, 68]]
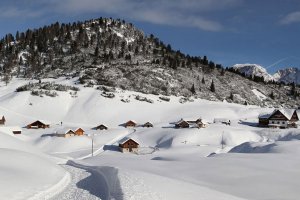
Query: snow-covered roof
[[181, 121], [132, 121], [64, 130], [221, 120], [43, 121], [288, 113], [125, 139], [264, 115]]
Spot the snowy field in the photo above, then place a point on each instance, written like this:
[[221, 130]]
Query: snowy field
[[253, 163]]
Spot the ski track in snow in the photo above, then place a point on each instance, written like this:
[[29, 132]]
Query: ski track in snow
[[80, 179]]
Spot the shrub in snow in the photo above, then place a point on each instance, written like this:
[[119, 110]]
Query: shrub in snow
[[35, 93], [125, 100], [140, 98], [46, 86], [108, 95], [164, 98]]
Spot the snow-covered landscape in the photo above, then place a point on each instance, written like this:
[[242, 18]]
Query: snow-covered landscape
[[221, 161]]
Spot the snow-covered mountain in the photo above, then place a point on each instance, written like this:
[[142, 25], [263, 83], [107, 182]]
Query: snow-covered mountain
[[288, 75], [107, 53], [251, 70]]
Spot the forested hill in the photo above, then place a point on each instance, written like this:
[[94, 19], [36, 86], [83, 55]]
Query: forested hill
[[113, 53]]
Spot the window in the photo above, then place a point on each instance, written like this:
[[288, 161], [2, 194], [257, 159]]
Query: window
[[278, 122], [283, 122]]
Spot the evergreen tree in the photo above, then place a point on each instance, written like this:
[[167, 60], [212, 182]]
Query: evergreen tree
[[212, 86], [293, 90], [203, 80], [231, 96], [272, 96], [96, 53], [193, 89]]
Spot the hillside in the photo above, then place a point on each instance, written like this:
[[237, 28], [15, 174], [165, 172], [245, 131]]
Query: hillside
[[170, 164], [113, 53]]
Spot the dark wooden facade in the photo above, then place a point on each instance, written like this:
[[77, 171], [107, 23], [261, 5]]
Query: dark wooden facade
[[101, 127], [294, 117], [129, 146], [37, 124], [277, 115], [2, 120], [182, 124], [16, 132], [148, 125], [130, 123], [263, 122]]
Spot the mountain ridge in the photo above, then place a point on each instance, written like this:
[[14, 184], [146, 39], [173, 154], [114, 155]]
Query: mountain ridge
[[285, 75], [108, 53]]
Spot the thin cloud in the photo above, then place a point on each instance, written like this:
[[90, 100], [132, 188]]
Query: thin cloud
[[180, 13], [291, 18], [185, 13], [13, 12]]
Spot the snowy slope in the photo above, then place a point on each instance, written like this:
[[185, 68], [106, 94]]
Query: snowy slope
[[171, 163], [251, 70], [22, 171]]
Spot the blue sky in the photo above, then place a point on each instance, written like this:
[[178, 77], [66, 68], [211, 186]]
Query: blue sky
[[264, 32]]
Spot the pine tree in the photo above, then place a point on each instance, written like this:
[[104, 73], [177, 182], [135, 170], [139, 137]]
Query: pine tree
[[272, 96], [212, 86], [231, 96], [203, 80], [293, 90], [193, 89], [96, 53]]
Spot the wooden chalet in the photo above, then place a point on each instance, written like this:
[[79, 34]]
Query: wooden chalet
[[69, 132], [128, 145], [201, 123], [66, 132], [79, 131], [279, 118], [38, 124], [2, 120], [182, 124], [148, 125], [130, 124], [263, 120], [101, 127], [191, 123], [16, 130]]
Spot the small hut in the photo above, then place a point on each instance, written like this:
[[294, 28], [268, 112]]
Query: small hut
[[128, 145], [16, 130], [38, 124], [182, 124], [66, 132], [2, 120], [201, 123], [101, 127], [148, 125], [263, 120], [130, 124], [79, 132]]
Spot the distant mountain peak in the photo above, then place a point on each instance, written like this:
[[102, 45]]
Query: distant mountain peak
[[288, 75], [251, 70]]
